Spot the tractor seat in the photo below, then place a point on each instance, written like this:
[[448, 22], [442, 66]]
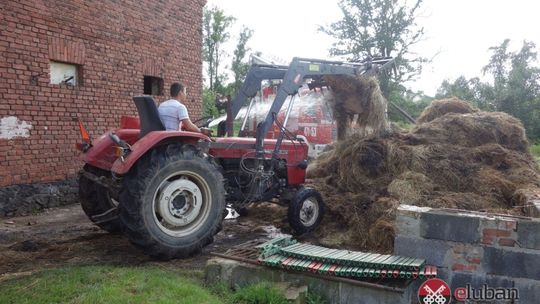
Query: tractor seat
[[148, 115]]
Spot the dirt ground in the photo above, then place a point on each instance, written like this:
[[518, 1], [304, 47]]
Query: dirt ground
[[64, 236]]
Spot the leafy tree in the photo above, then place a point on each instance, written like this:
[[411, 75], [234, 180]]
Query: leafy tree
[[498, 64], [472, 90], [209, 106], [216, 32], [372, 28], [216, 26], [239, 67], [515, 87], [411, 102]]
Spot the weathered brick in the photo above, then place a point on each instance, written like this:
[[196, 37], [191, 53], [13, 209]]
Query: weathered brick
[[507, 242], [110, 50], [507, 224], [496, 233]]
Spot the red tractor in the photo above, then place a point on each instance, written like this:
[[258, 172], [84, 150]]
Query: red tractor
[[168, 190]]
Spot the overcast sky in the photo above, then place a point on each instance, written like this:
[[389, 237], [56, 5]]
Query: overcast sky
[[457, 32]]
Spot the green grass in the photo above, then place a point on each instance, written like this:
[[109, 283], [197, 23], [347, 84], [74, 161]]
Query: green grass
[[313, 298], [260, 293], [108, 284], [99, 284]]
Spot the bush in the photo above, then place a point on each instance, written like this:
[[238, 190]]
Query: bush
[[209, 103]]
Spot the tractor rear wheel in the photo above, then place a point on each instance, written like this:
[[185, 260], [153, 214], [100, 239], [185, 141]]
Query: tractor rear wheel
[[306, 210], [97, 203], [172, 203]]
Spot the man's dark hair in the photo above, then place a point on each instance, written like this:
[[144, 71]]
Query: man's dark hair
[[176, 88]]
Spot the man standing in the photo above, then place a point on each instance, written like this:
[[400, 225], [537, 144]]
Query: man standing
[[173, 113]]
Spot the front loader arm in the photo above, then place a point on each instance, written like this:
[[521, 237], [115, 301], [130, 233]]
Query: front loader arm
[[301, 68], [252, 84]]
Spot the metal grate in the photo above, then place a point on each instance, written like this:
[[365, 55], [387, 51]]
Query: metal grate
[[245, 252]]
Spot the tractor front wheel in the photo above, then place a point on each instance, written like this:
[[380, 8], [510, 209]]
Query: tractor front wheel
[[172, 203], [306, 210]]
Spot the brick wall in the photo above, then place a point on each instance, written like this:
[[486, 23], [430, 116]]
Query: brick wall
[[115, 44], [474, 248]]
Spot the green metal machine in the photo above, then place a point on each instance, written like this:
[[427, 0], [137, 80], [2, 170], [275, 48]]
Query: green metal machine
[[287, 253]]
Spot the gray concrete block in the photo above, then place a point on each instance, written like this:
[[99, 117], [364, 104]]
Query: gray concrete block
[[461, 279], [247, 274], [444, 274], [433, 251], [412, 291], [477, 281], [218, 271], [529, 290], [293, 294], [450, 227], [327, 289], [529, 234], [237, 274], [514, 263], [212, 272], [408, 225], [357, 294]]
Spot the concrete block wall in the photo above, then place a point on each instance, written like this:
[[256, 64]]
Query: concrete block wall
[[474, 248], [237, 274]]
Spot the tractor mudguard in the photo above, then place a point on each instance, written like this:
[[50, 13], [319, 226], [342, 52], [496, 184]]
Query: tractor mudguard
[[101, 153], [151, 140]]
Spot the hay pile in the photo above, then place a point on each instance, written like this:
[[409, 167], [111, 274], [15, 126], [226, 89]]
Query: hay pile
[[358, 105], [458, 157], [441, 107]]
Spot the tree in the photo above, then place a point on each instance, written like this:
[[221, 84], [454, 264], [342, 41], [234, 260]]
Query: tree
[[372, 28], [472, 90], [515, 87], [411, 102], [209, 105], [216, 32], [239, 67], [216, 27]]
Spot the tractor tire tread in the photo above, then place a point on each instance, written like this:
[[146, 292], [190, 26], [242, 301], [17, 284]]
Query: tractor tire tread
[[295, 205], [93, 201], [134, 187]]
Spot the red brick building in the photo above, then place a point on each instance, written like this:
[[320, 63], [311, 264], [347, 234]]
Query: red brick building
[[66, 60]]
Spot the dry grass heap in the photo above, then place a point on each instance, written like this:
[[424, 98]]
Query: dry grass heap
[[357, 104], [441, 107], [456, 157]]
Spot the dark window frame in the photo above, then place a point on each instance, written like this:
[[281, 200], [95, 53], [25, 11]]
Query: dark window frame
[[153, 85]]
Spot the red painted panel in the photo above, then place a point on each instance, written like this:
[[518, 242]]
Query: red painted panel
[[129, 122], [102, 154]]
